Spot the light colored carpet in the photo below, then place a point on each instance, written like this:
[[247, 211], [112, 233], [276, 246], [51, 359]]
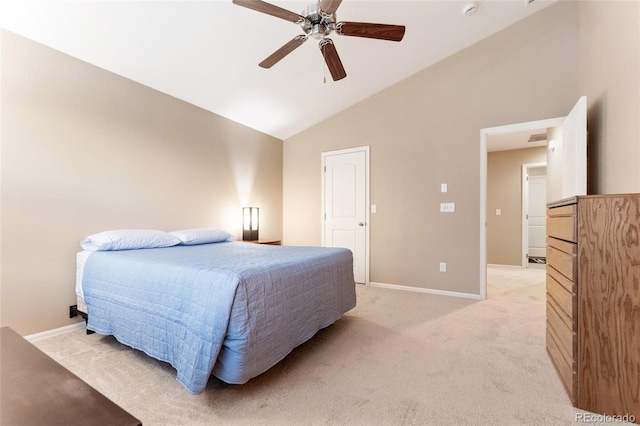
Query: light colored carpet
[[398, 358]]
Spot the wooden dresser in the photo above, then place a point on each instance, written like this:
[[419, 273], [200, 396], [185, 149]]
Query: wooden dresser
[[593, 300]]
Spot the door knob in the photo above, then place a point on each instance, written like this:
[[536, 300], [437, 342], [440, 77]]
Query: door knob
[[360, 224]]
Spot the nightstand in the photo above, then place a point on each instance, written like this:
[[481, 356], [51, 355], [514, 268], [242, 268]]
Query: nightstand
[[269, 242]]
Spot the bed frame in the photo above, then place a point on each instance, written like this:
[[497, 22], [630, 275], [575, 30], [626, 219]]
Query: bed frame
[[74, 312]]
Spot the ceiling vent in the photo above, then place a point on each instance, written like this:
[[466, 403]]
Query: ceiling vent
[[538, 137]]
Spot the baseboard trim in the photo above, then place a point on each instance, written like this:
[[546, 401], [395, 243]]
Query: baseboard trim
[[81, 325], [498, 265], [427, 290], [55, 332]]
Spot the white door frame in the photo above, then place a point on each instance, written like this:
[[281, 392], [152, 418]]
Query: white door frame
[[484, 133], [366, 150], [525, 209]]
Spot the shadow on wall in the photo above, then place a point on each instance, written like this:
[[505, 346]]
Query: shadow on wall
[[595, 121]]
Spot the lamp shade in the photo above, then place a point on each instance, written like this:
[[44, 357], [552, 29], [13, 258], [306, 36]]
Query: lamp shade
[[250, 223]]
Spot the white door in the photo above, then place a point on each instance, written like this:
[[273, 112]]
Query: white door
[[567, 156], [345, 205], [574, 141], [536, 216]]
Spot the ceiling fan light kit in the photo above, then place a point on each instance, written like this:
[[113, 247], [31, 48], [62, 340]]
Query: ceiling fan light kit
[[318, 20]]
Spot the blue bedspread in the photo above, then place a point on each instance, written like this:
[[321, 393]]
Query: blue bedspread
[[234, 309]]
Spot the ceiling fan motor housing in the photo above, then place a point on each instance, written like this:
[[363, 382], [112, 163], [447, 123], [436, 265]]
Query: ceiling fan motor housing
[[317, 23]]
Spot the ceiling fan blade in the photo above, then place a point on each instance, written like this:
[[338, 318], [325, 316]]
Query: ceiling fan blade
[[283, 51], [329, 6], [270, 9], [364, 29], [332, 59]]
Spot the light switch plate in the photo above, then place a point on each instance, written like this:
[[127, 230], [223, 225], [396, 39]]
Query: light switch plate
[[447, 207], [374, 208], [443, 187]]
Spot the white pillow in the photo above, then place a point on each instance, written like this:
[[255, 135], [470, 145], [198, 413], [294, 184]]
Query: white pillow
[[195, 236], [128, 239]]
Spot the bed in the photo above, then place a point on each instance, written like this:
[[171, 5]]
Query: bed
[[226, 308]]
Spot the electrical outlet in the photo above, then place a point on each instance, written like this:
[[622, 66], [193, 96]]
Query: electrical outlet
[[443, 266], [447, 207]]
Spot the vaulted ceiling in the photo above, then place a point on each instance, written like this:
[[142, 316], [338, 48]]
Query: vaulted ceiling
[[207, 52]]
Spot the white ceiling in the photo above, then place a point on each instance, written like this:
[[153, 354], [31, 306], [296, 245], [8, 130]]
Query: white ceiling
[[207, 52], [514, 140]]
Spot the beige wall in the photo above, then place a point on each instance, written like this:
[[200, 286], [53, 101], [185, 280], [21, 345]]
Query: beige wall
[[609, 68], [504, 192], [425, 131], [84, 150], [554, 164]]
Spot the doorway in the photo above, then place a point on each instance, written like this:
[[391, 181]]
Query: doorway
[[566, 165], [534, 220], [345, 201], [484, 136]]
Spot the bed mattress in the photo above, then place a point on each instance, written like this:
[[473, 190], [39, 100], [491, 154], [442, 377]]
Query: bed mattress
[[229, 309]]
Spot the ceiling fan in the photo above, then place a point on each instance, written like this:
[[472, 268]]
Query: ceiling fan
[[318, 20]]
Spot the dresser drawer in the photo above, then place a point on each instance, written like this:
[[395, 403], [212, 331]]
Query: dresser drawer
[[565, 263], [565, 282], [562, 245], [563, 329], [564, 298], [561, 222], [562, 227], [566, 210], [566, 370]]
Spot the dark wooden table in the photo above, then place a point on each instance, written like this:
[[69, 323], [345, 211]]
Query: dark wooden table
[[36, 390]]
